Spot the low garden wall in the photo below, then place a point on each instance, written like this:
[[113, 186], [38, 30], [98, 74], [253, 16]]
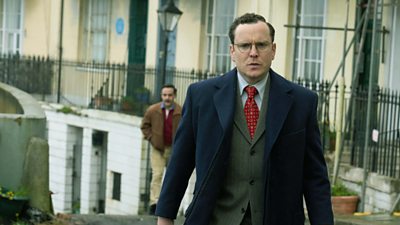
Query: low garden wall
[[381, 191], [23, 145]]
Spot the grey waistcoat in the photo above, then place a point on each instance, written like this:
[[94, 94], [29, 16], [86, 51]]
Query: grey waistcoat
[[243, 183]]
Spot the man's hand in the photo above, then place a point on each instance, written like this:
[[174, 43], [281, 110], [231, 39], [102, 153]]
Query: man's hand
[[164, 221]]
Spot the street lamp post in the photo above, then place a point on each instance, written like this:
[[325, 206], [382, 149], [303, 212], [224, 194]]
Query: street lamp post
[[168, 16]]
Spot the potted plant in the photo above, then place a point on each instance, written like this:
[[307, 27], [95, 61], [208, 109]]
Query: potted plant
[[142, 94], [12, 202], [127, 104], [137, 103], [344, 201]]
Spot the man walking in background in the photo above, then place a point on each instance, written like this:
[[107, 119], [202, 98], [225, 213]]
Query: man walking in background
[[159, 126]]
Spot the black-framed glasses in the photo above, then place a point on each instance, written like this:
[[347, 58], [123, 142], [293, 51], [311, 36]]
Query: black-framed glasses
[[246, 47]]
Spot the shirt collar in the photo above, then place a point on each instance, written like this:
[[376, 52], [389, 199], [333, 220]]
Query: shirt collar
[[260, 85], [163, 106]]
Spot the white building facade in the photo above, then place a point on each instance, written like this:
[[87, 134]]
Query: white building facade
[[95, 161]]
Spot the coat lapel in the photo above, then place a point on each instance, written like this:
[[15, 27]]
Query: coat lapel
[[239, 117], [280, 102], [224, 100], [263, 112], [279, 105]]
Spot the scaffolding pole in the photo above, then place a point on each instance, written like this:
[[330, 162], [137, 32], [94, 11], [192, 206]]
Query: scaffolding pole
[[339, 116], [364, 22], [369, 108]]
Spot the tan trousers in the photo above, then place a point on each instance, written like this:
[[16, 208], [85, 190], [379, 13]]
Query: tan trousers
[[159, 161]]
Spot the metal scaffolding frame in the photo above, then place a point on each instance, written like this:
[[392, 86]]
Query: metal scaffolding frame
[[374, 8]]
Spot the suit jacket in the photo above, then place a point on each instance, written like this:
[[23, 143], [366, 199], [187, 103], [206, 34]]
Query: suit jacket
[[293, 166]]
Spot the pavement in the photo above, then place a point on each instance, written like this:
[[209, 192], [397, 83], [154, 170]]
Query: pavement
[[77, 219], [378, 219], [373, 219]]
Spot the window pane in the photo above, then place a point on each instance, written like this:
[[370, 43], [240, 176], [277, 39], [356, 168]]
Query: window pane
[[1, 7], [314, 50], [116, 191], [308, 49], [306, 70], [98, 48], [210, 18]]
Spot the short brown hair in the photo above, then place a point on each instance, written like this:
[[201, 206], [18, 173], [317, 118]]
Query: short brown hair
[[169, 86], [249, 18]]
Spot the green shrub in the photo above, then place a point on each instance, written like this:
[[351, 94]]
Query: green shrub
[[340, 190]]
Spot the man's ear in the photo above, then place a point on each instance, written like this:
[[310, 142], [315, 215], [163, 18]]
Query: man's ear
[[274, 50], [232, 52]]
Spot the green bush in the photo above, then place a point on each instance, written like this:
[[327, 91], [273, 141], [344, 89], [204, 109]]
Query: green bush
[[340, 190]]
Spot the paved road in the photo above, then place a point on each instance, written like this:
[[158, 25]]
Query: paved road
[[116, 220], [375, 219], [151, 220]]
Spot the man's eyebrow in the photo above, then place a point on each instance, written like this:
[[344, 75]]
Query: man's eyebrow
[[257, 42]]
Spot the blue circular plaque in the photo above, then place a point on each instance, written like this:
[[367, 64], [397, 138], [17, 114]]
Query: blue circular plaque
[[119, 26]]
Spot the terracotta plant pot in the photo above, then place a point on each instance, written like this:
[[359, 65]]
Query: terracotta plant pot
[[343, 205]]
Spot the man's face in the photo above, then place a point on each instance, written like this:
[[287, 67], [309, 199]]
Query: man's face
[[167, 96], [253, 62]]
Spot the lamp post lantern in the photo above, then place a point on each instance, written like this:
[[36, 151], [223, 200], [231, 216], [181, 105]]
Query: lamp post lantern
[[168, 16]]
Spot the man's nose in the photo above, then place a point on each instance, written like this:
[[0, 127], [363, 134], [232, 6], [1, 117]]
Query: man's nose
[[253, 50]]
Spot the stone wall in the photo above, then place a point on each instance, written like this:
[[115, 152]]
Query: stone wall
[[381, 192], [8, 103], [21, 118], [21, 121]]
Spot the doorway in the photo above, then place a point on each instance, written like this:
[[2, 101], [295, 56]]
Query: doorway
[[99, 142], [75, 139]]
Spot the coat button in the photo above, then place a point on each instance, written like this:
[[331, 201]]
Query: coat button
[[251, 182], [252, 152], [243, 210]]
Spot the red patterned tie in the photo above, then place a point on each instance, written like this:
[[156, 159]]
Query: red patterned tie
[[251, 110]]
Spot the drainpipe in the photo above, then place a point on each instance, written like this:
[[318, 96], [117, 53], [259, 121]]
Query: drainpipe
[[60, 51]]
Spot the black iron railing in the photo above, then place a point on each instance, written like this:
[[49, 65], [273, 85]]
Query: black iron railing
[[384, 148], [30, 74], [104, 86]]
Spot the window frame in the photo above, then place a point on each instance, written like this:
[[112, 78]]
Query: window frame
[[116, 185], [303, 42], [17, 33], [87, 47], [216, 51]]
